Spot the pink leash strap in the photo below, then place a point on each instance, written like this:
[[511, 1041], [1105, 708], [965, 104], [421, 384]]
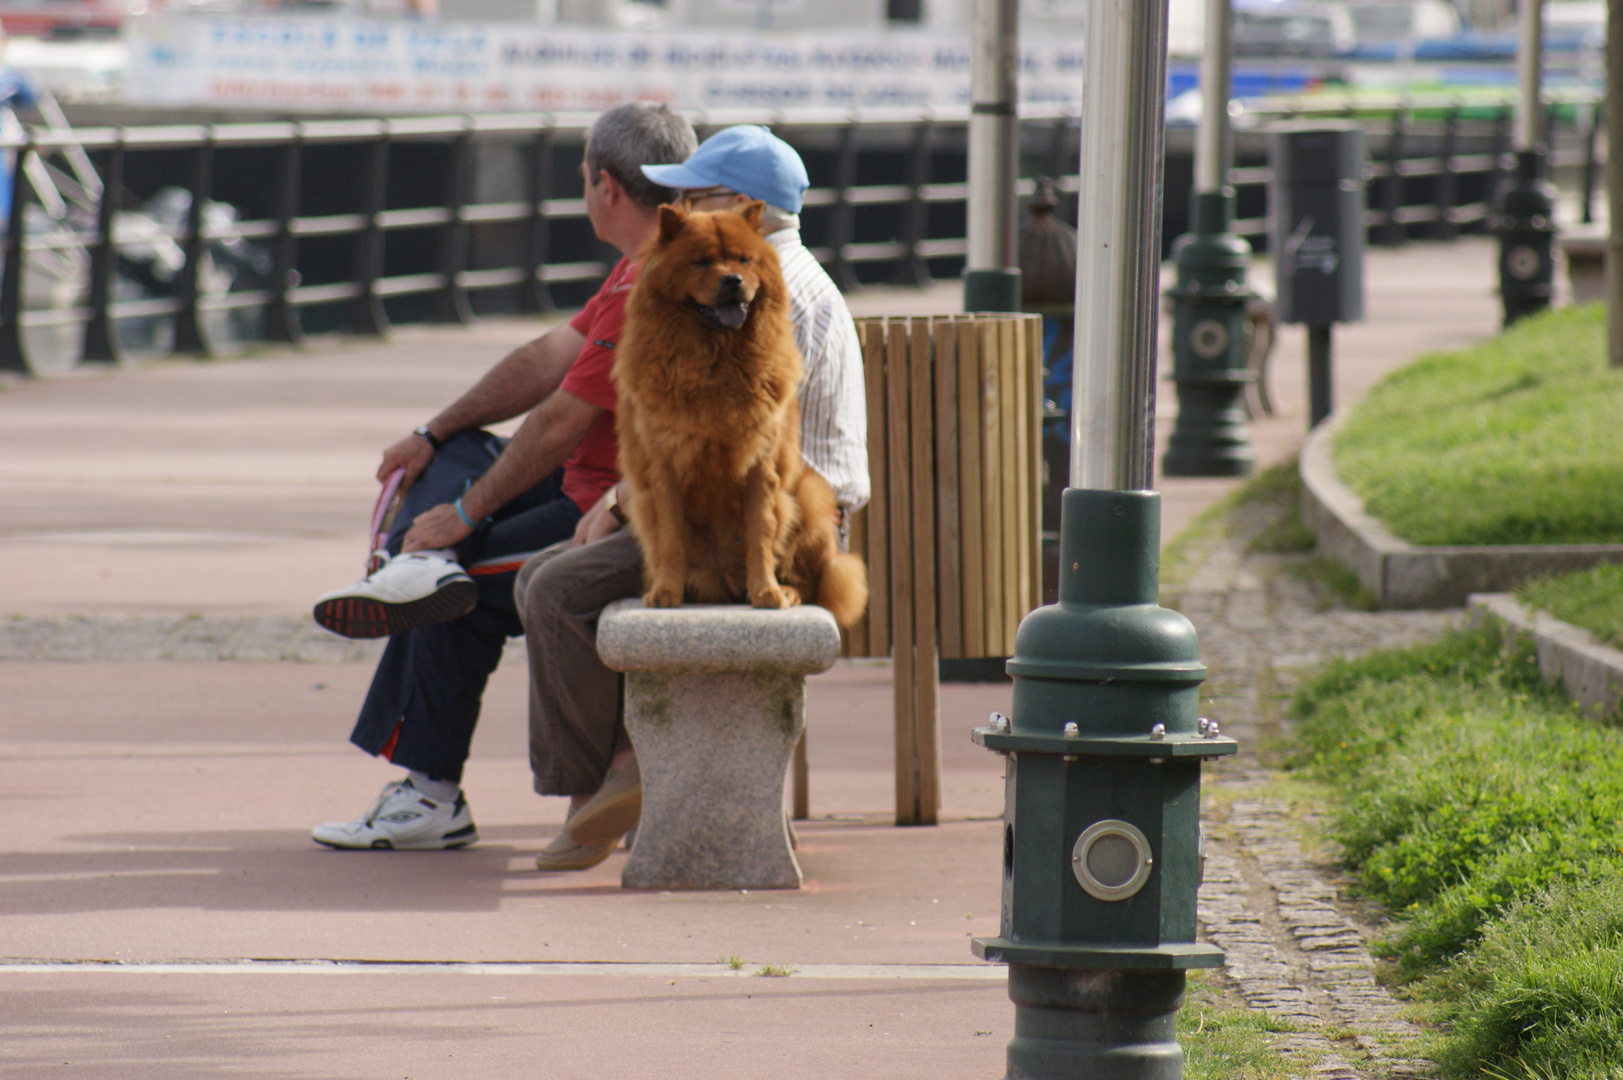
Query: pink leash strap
[[378, 534]]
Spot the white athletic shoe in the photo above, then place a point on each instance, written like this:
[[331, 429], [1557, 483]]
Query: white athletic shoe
[[403, 819], [407, 591]]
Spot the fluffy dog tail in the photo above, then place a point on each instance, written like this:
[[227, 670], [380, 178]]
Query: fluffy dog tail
[[844, 589]]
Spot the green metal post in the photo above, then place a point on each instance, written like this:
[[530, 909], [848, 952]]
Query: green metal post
[[1101, 835], [1526, 227], [1210, 340]]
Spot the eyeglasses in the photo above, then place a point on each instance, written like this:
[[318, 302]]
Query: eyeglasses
[[692, 197]]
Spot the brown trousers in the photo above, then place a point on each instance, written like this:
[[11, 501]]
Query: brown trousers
[[576, 718]]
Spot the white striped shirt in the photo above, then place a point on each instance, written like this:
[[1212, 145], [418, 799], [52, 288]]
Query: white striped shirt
[[833, 401]]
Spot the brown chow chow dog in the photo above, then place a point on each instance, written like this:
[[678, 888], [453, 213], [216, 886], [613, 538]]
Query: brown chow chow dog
[[707, 370]]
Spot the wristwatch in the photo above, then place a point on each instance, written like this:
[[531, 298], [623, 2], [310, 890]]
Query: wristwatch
[[429, 435], [611, 503]]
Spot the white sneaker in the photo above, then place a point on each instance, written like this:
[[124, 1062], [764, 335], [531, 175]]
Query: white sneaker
[[407, 591], [403, 819]]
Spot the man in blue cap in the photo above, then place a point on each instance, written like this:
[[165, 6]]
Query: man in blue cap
[[578, 744]]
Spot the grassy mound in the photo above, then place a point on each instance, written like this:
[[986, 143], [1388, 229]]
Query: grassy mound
[[1541, 995], [1515, 441], [1475, 804], [1592, 599]]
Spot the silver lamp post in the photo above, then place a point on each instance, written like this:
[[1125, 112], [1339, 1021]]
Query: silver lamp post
[[992, 273], [1118, 246]]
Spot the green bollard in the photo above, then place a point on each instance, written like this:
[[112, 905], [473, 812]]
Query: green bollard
[[1210, 344], [1101, 835], [992, 290], [1526, 227]]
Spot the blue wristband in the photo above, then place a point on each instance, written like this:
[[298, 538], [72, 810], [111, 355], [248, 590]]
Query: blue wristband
[[463, 514]]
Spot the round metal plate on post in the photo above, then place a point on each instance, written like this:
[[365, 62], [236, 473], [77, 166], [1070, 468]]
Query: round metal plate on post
[[1209, 339], [1522, 262], [1111, 860]]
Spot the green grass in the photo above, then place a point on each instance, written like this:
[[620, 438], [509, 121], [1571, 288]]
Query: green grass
[[1592, 599], [1221, 1042], [1286, 533], [1466, 785], [1514, 441], [1542, 993], [1472, 801]]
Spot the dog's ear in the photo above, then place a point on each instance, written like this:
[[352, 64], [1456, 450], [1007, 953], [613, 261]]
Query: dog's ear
[[751, 212], [672, 220]]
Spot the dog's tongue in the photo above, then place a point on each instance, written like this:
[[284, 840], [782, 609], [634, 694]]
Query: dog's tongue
[[731, 315]]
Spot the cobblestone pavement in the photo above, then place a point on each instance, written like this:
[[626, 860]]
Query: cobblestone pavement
[[1295, 946]]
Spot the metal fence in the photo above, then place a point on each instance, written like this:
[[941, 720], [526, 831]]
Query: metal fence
[[363, 221]]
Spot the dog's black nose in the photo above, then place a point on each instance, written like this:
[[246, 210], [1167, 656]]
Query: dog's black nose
[[732, 282]]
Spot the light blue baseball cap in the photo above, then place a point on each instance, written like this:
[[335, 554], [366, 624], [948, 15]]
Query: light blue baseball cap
[[747, 159]]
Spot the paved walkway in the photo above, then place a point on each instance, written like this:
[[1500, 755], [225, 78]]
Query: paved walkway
[[163, 911], [1293, 944]]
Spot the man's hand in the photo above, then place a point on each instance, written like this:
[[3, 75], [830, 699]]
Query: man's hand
[[596, 523], [435, 528], [412, 454]]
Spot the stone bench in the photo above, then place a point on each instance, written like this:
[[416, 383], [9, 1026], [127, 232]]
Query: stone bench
[[715, 702]]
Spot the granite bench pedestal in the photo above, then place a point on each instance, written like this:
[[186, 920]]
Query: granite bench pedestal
[[715, 702]]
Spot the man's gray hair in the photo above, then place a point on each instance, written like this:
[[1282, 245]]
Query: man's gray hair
[[627, 137]]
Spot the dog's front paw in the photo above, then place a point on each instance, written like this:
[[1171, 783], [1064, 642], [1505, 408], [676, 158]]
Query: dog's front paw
[[772, 596], [791, 596], [662, 596]]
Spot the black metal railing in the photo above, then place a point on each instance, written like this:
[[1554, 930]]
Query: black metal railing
[[321, 200]]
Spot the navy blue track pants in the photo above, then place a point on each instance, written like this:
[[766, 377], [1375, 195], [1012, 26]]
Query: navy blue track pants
[[423, 705]]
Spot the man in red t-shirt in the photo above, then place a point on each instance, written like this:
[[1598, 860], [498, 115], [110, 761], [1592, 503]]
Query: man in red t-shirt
[[477, 506]]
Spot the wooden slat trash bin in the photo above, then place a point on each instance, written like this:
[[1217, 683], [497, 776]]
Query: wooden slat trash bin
[[952, 535]]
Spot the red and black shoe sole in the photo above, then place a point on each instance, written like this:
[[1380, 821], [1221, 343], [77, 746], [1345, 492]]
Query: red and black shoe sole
[[360, 617]]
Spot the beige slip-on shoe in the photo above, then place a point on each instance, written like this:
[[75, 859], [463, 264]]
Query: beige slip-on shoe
[[613, 811], [564, 854]]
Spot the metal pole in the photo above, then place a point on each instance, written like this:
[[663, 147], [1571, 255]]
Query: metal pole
[[1529, 56], [1320, 396], [1614, 187], [1216, 64], [1118, 246], [991, 273]]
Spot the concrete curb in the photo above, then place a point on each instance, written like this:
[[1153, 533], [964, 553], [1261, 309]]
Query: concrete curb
[[1591, 673], [1404, 576]]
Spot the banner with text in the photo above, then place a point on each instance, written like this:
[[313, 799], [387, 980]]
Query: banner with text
[[315, 63]]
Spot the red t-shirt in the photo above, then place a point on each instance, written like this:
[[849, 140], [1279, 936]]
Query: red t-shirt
[[593, 468]]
